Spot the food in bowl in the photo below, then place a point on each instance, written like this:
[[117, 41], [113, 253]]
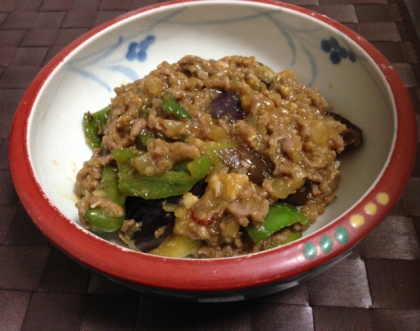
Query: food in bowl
[[211, 158]]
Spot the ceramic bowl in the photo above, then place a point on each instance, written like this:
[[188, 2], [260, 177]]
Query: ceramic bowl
[[47, 145]]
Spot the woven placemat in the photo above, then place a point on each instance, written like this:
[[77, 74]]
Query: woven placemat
[[376, 288]]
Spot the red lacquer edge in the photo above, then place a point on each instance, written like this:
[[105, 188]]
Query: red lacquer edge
[[205, 275]]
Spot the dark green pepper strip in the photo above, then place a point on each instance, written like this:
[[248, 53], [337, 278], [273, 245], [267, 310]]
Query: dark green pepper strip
[[93, 124], [98, 217], [169, 184], [278, 217], [170, 105]]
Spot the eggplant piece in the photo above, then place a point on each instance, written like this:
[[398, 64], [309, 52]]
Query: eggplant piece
[[152, 217], [227, 104], [259, 168], [352, 136], [198, 190], [300, 197]]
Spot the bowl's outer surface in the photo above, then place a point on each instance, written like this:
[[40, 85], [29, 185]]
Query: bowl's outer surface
[[46, 146]]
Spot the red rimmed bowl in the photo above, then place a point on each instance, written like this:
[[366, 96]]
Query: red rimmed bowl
[[47, 147]]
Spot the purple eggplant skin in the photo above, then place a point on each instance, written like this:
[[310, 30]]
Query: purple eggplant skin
[[147, 243], [198, 190], [352, 136], [258, 168], [152, 217], [227, 104], [300, 197]]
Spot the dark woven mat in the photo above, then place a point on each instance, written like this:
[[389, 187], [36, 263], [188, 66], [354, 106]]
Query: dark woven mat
[[376, 288]]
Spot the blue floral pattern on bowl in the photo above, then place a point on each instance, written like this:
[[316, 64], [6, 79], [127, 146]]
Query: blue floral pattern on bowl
[[302, 43], [137, 51], [336, 51]]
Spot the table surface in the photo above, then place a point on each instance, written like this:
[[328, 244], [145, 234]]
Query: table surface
[[376, 288]]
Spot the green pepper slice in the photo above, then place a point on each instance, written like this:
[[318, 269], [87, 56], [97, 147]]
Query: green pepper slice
[[279, 216], [169, 184], [98, 217], [199, 167], [145, 137], [170, 105], [93, 125], [292, 237]]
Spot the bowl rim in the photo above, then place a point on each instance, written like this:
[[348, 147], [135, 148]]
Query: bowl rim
[[210, 275]]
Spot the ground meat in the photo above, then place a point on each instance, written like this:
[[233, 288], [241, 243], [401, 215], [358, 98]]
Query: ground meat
[[138, 126], [161, 156], [83, 206], [111, 208], [269, 139], [90, 175]]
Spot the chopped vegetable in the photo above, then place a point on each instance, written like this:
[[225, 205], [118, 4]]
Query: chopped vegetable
[[169, 184], [227, 104], [170, 105], [352, 136], [199, 167], [211, 148], [100, 217], [278, 217], [156, 223], [94, 124], [292, 237], [202, 148], [177, 246], [257, 168], [144, 137], [295, 235]]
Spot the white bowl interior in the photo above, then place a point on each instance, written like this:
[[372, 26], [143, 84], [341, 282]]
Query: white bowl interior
[[280, 38]]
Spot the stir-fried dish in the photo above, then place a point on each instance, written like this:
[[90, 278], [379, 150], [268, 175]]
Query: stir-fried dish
[[211, 158]]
